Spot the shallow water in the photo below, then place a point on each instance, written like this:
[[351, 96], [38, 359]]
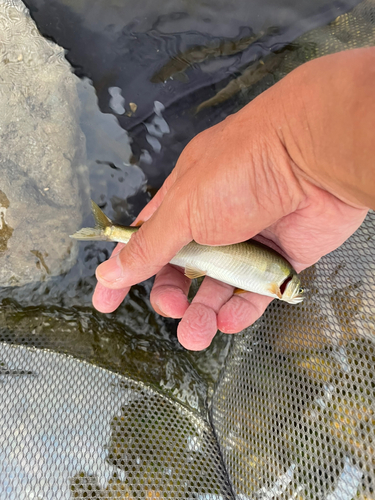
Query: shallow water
[[138, 112]]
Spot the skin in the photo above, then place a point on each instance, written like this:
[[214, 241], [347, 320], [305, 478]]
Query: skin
[[295, 168]]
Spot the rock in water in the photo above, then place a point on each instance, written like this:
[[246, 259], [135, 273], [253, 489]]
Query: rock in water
[[42, 152]]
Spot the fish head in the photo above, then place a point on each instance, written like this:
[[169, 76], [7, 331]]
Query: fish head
[[293, 292]]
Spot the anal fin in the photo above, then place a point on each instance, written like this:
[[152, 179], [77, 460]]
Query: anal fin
[[238, 291], [192, 273]]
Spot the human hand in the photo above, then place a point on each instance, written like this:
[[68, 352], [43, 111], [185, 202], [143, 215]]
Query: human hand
[[232, 182]]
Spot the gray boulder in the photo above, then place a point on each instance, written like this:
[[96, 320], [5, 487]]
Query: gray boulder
[[42, 152]]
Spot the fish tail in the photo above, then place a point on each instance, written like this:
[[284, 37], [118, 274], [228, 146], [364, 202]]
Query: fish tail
[[96, 233], [89, 233]]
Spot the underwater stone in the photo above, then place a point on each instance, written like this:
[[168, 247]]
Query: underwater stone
[[42, 153]]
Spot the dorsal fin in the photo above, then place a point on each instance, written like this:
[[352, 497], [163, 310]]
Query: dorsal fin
[[101, 220]]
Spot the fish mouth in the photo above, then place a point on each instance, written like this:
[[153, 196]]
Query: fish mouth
[[297, 299], [291, 290]]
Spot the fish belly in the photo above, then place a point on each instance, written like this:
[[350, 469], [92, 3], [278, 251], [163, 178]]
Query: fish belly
[[238, 270]]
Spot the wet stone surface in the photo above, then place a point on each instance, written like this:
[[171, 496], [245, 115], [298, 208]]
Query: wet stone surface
[[5, 230], [42, 152]]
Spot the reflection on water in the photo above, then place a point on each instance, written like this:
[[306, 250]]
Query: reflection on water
[[126, 44]]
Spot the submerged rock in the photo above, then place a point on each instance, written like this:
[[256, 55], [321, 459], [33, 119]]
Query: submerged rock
[[42, 152]]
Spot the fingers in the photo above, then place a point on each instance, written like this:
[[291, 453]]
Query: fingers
[[106, 300], [169, 293], [158, 240], [216, 308], [213, 308], [241, 311], [199, 323], [154, 204]]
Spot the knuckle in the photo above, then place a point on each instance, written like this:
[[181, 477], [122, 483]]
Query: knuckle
[[206, 226], [204, 233], [188, 155], [193, 150]]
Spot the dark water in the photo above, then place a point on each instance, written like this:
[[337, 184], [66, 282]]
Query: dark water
[[128, 55], [125, 44]]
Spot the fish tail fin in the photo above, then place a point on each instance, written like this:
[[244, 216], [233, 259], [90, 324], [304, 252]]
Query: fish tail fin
[[96, 233], [90, 233], [101, 220]]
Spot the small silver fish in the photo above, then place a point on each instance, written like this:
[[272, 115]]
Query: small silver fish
[[248, 266]]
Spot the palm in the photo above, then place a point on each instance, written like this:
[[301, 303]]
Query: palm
[[316, 229]]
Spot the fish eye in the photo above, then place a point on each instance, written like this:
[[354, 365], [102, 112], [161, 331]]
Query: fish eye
[[301, 290]]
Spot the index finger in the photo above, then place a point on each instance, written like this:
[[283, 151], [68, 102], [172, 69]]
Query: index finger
[[155, 202], [158, 240], [105, 299]]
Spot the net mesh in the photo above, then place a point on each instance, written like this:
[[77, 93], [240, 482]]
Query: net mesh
[[295, 410], [291, 417], [69, 429]]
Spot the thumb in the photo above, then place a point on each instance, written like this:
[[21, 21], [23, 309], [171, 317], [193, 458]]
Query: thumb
[[154, 204], [153, 246]]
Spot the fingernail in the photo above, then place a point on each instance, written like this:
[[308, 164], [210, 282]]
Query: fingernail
[[110, 270]]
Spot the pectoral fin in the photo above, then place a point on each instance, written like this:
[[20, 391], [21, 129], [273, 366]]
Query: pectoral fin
[[192, 273], [238, 291], [274, 289]]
